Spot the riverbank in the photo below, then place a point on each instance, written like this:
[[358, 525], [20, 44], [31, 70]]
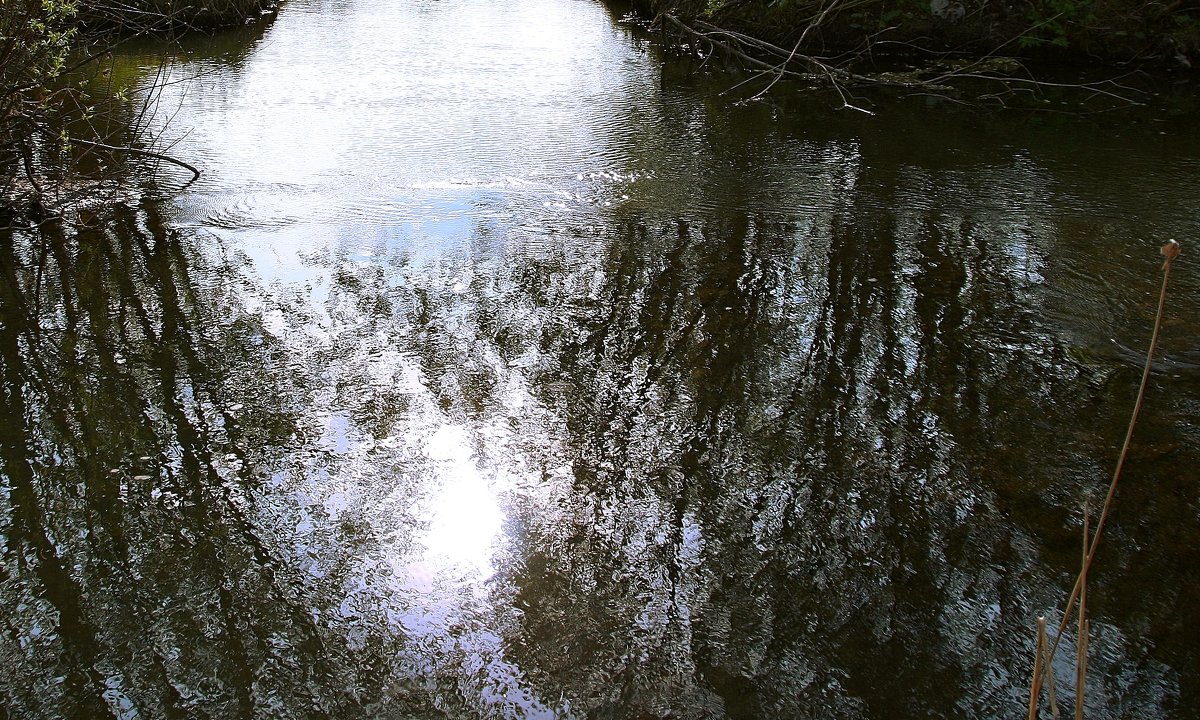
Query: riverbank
[[161, 15], [1066, 31], [67, 122]]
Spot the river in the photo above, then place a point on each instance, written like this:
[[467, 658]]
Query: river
[[500, 366]]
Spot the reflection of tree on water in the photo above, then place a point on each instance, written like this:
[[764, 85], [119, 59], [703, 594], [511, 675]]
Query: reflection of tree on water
[[740, 467], [133, 566], [218, 494], [789, 448]]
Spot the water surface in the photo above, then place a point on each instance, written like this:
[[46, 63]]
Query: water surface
[[499, 367]]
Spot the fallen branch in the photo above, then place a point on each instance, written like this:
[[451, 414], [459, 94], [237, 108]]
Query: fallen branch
[[768, 59], [143, 153]]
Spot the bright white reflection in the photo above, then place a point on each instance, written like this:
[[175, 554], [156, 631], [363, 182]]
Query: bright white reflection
[[464, 515]]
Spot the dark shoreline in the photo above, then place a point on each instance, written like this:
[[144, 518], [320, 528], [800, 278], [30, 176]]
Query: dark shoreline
[[176, 15], [1078, 33]]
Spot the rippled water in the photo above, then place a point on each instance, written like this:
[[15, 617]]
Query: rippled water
[[499, 367]]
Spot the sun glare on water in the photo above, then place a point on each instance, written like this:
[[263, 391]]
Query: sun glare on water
[[464, 514]]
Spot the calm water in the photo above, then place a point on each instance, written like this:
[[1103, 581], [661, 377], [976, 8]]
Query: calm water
[[498, 367]]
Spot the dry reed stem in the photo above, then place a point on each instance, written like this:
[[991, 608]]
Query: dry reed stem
[[1081, 639], [1035, 686], [1169, 251], [1051, 695], [1081, 667]]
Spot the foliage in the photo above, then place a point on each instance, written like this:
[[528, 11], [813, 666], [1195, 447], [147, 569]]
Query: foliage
[[1055, 22], [36, 39]]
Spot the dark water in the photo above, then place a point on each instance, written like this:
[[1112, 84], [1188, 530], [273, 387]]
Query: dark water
[[497, 367]]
